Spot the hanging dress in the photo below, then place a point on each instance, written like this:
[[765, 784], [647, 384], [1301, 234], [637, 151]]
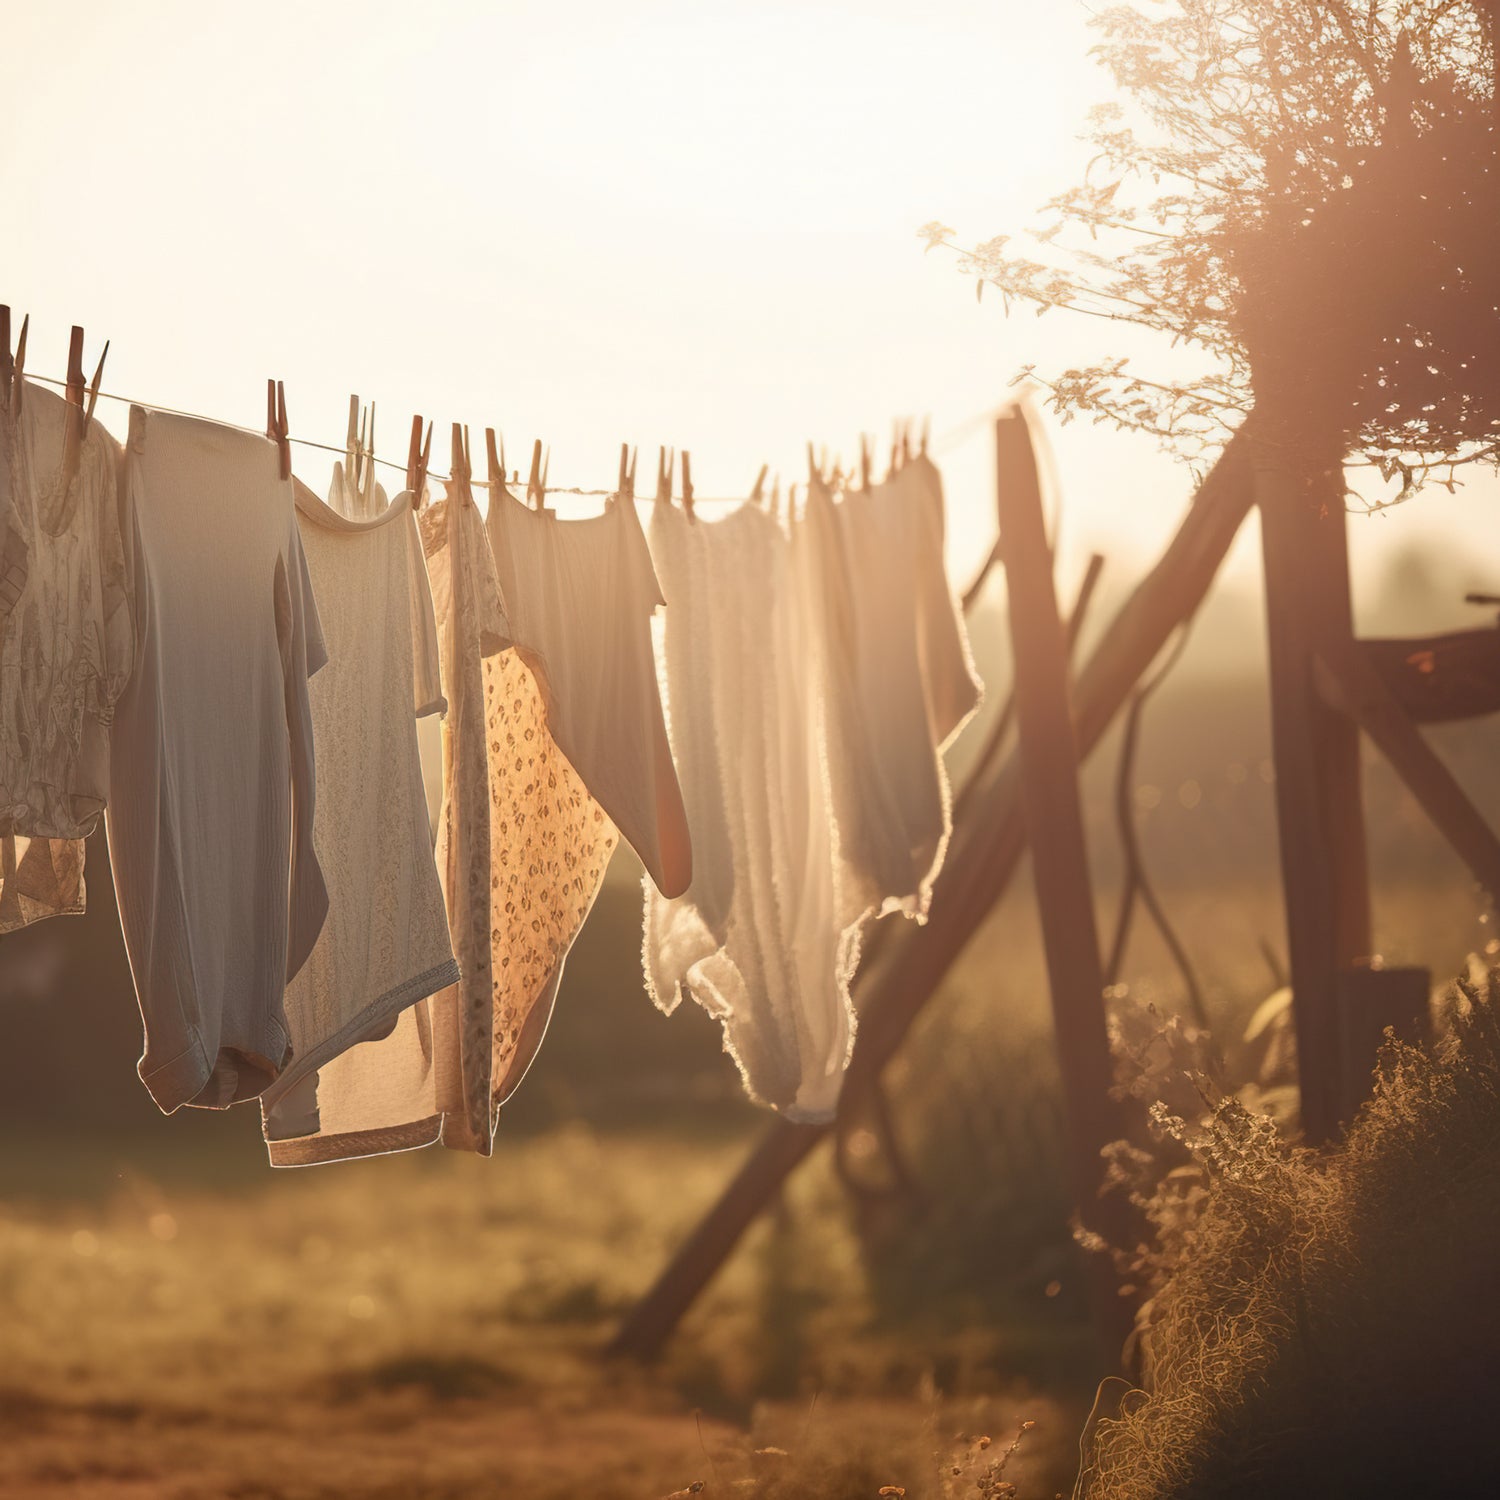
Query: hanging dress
[[66, 650], [755, 938]]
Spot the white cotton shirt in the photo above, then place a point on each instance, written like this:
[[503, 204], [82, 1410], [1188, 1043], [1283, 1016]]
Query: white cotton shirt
[[66, 650], [385, 944], [212, 779], [755, 939]]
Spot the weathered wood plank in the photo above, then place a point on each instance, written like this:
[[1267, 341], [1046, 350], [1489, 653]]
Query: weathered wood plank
[[1052, 813], [1320, 819]]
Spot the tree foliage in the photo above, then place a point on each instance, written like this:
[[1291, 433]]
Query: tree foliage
[[1305, 197]]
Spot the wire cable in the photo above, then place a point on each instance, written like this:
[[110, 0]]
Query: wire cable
[[944, 443]]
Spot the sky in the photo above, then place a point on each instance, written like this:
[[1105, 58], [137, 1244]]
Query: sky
[[691, 224]]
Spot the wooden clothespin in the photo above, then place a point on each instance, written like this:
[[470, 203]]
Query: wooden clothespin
[[418, 452], [74, 389], [536, 484], [687, 485], [74, 393], [367, 463], [866, 462], [494, 456], [926, 430], [353, 443], [666, 465], [276, 424], [93, 401], [460, 465], [813, 470], [7, 363], [758, 490], [625, 488], [776, 498], [18, 370]]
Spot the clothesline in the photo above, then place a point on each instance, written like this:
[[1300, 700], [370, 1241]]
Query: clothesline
[[377, 988], [944, 443]]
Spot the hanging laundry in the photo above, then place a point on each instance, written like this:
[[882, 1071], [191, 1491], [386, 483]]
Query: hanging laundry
[[581, 595], [385, 944], [212, 773], [66, 648], [395, 1093], [755, 939], [357, 502], [953, 687], [897, 687]]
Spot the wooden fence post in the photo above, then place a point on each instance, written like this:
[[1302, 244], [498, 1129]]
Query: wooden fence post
[[1053, 812], [1320, 819]]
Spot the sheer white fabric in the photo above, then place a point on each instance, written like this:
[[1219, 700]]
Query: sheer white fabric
[[755, 939]]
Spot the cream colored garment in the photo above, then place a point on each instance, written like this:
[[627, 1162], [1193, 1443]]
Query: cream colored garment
[[212, 774], [581, 595], [948, 672], [385, 945], [66, 651], [358, 503], [398, 1093], [897, 687], [755, 939]]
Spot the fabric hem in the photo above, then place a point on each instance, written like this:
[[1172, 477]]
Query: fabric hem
[[390, 1004], [323, 1150], [181, 1078], [78, 910]]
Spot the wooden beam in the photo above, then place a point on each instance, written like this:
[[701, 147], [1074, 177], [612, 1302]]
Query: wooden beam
[[1354, 688], [982, 859], [1052, 814], [1320, 819], [1438, 679]]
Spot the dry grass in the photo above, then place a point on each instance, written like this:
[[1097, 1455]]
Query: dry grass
[[429, 1326], [1328, 1325]]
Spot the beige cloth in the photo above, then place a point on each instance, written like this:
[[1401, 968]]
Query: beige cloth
[[362, 504], [40, 878], [580, 596], [385, 945], [898, 680], [212, 773], [755, 939], [66, 651]]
